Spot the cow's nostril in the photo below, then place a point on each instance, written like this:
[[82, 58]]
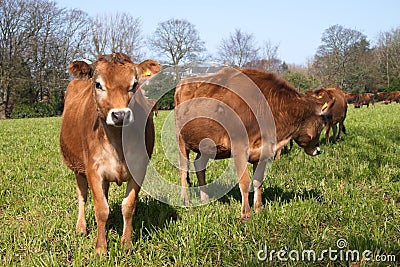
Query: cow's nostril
[[118, 117]]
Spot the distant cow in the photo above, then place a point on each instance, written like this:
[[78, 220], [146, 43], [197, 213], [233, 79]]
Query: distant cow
[[394, 97], [96, 110], [383, 97], [351, 98], [364, 99], [338, 112], [296, 116]]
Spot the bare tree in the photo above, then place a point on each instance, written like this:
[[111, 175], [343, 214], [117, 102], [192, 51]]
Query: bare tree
[[179, 40], [268, 60], [118, 32], [37, 42], [238, 49], [12, 44], [339, 60], [388, 53]]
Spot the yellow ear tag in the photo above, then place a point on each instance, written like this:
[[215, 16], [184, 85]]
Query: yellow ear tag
[[319, 97], [324, 106], [146, 73]]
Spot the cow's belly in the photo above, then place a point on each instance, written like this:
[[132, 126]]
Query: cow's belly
[[206, 137]]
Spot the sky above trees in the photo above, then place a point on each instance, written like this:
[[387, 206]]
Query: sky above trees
[[295, 26]]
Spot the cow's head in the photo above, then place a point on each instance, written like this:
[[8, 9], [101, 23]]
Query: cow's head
[[314, 121], [115, 79]]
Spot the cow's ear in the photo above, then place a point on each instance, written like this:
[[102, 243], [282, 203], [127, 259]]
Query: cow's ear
[[81, 70], [148, 68], [326, 107]]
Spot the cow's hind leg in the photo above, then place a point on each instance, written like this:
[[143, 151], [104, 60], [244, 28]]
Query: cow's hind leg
[[81, 191], [200, 164], [183, 168]]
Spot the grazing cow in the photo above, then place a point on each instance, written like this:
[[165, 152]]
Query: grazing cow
[[295, 116], [394, 97], [383, 96], [97, 107], [364, 99], [351, 98], [388, 97], [338, 112]]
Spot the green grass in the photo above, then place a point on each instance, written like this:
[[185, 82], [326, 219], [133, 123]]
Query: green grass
[[351, 191]]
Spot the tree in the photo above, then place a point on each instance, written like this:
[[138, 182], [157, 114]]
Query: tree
[[238, 49], [269, 60], [37, 42], [300, 78], [118, 32], [339, 60], [388, 54], [178, 39], [12, 39]]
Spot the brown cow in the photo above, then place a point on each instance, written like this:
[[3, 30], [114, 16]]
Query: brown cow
[[96, 112], [338, 112], [351, 98], [296, 116], [383, 96], [364, 99], [388, 97], [394, 97]]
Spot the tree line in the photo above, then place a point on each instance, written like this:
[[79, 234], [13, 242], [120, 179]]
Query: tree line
[[38, 39]]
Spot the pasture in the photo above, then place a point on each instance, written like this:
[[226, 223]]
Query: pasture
[[351, 191]]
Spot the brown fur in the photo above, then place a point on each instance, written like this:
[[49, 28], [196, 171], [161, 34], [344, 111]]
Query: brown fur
[[364, 99], [296, 116], [338, 112], [92, 148], [388, 97]]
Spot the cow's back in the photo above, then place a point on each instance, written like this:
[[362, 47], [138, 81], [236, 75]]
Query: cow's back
[[78, 117]]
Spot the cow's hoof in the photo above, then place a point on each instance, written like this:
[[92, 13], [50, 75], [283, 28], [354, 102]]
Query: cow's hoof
[[101, 250], [244, 218], [81, 229]]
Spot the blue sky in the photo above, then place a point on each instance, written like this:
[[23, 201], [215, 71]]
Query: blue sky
[[296, 26]]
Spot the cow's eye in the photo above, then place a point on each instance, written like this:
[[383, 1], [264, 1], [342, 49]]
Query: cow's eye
[[98, 86], [133, 88]]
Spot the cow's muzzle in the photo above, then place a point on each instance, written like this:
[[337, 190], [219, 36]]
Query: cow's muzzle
[[119, 117]]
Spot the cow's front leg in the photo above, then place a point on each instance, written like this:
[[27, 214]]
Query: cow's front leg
[[128, 208], [327, 131], [244, 185], [101, 209], [81, 191], [335, 132]]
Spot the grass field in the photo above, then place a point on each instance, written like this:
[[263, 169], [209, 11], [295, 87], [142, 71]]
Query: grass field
[[351, 191]]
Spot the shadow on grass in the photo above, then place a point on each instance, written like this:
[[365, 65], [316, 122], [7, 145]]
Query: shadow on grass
[[150, 214], [275, 194]]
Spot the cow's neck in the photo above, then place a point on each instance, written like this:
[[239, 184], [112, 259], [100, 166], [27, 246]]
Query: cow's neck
[[294, 118], [114, 137]]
